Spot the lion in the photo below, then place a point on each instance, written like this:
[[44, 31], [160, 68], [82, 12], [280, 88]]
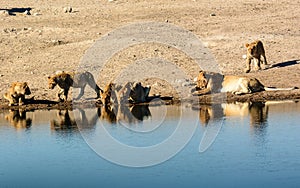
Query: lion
[[73, 79], [108, 96], [17, 92], [132, 92], [254, 52], [138, 93], [238, 85]]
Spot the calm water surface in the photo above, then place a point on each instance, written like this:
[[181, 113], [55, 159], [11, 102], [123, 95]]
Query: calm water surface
[[242, 145]]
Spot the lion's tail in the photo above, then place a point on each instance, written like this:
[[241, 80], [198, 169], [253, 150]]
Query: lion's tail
[[279, 89]]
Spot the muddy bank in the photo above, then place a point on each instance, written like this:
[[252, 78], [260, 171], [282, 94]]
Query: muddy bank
[[203, 99]]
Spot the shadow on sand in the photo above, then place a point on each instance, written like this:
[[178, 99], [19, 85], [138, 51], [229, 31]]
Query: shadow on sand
[[13, 11], [285, 64]]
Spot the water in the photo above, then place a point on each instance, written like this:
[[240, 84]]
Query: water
[[229, 145]]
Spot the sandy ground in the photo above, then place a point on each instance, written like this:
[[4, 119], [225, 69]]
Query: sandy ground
[[37, 45]]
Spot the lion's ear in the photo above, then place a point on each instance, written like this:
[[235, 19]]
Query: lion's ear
[[202, 72], [13, 84], [25, 85], [246, 45]]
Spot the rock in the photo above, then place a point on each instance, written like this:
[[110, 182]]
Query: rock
[[4, 13], [213, 14], [68, 9], [27, 12], [57, 42]]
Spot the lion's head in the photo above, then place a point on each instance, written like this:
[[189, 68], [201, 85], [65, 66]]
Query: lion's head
[[201, 80], [20, 88], [106, 95], [251, 48], [52, 82]]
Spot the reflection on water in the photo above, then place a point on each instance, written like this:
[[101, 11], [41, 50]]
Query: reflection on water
[[108, 114], [63, 121], [130, 114], [18, 119], [258, 118], [257, 141], [257, 111]]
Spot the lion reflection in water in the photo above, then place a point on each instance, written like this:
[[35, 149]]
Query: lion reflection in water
[[124, 113], [65, 121], [257, 111], [18, 119]]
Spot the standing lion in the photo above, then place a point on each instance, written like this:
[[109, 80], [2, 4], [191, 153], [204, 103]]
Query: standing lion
[[73, 79], [254, 52]]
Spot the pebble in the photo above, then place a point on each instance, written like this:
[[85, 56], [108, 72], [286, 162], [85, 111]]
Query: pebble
[[4, 13], [244, 56], [68, 9], [27, 12], [213, 14], [57, 42]]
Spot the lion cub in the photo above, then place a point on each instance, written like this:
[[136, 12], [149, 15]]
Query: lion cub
[[17, 92], [72, 79], [254, 51]]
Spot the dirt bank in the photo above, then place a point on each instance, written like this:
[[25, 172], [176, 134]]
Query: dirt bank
[[37, 45]]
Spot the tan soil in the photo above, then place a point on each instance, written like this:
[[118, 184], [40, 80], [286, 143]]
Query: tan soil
[[37, 45]]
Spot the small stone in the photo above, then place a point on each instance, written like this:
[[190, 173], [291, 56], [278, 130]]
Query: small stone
[[27, 12], [244, 56], [213, 14], [4, 12], [57, 42], [68, 9]]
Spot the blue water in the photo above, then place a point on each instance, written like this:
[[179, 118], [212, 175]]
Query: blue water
[[265, 153]]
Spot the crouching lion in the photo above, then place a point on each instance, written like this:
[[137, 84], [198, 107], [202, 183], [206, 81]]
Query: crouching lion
[[132, 92], [238, 85], [16, 93]]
